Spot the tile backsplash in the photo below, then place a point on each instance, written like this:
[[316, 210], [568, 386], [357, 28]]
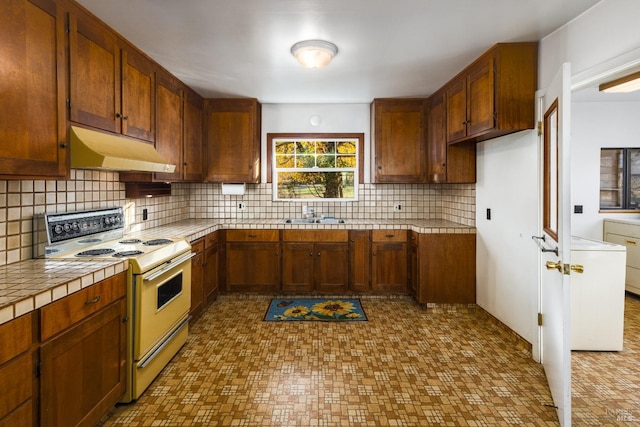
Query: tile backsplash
[[86, 190]]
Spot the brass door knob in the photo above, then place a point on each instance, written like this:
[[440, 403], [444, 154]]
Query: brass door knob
[[577, 268], [554, 265]]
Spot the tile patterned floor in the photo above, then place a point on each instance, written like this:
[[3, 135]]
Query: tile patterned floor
[[606, 385], [406, 366]]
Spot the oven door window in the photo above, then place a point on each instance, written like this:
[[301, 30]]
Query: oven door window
[[168, 291]]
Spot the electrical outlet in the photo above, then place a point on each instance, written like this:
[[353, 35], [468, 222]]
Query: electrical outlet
[[241, 206], [397, 207], [145, 214]]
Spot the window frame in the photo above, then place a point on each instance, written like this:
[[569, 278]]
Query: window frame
[[626, 178], [315, 136]]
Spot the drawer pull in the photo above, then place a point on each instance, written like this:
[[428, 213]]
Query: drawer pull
[[92, 300], [253, 235], [631, 242], [388, 235]]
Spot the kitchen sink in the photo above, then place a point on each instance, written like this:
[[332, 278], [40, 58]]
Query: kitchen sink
[[328, 220]]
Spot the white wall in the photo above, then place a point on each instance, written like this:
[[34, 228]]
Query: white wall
[[334, 118], [506, 285], [596, 126], [506, 254], [607, 30]]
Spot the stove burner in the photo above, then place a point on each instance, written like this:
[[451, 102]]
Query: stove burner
[[90, 241], [127, 253], [95, 252], [130, 241], [157, 242]]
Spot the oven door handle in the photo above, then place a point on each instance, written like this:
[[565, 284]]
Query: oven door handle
[[144, 362], [169, 266]]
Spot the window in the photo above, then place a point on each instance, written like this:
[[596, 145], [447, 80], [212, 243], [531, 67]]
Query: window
[[620, 178], [309, 167]]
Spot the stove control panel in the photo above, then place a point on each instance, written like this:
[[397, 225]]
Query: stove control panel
[[71, 225]]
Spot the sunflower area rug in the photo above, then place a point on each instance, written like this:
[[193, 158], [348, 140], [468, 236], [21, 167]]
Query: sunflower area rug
[[331, 310]]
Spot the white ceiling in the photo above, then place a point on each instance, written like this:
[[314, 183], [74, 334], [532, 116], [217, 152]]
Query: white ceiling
[[387, 48]]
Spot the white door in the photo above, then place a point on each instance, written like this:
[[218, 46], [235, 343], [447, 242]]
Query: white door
[[556, 229]]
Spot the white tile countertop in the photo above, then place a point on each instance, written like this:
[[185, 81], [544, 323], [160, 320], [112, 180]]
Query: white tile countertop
[[28, 285]]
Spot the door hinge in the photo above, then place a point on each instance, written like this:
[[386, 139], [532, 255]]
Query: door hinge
[[38, 369], [539, 319], [67, 28], [68, 104], [540, 128]]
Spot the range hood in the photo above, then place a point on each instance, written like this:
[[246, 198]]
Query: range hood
[[97, 150]]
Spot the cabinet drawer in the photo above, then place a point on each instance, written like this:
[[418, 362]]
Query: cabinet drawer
[[197, 246], [631, 243], [16, 337], [253, 236], [623, 229], [58, 316], [210, 239], [389, 236], [315, 235], [17, 383]]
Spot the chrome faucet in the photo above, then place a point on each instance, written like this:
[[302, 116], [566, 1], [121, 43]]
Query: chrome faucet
[[308, 212]]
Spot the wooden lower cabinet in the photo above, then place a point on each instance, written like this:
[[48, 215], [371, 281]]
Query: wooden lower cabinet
[[360, 260], [83, 365], [389, 261], [197, 277], [315, 260], [17, 373], [321, 267], [252, 260], [444, 268], [211, 279]]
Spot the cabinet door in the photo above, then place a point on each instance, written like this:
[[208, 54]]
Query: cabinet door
[[331, 267], [360, 257], [399, 140], [82, 370], [192, 148], [33, 87], [448, 268], [211, 273], [94, 74], [389, 267], [233, 140], [456, 110], [480, 98], [437, 139], [197, 277], [297, 267], [138, 95], [253, 267], [169, 124], [414, 271]]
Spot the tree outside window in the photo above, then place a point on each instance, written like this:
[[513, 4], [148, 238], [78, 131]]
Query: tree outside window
[[310, 169]]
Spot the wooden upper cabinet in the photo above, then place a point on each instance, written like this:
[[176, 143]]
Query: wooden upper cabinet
[[436, 139], [398, 131], [111, 83], [32, 78], [169, 124], [447, 163], [138, 95], [95, 79], [232, 140], [495, 95], [192, 136]]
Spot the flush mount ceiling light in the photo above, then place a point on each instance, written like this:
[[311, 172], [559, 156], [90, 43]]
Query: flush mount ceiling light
[[629, 83], [314, 53]]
